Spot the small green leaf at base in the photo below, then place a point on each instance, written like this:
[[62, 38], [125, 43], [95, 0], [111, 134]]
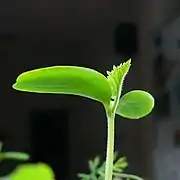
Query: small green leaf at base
[[135, 104]]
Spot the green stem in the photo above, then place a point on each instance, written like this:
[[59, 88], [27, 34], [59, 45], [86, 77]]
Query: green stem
[[110, 149], [111, 131]]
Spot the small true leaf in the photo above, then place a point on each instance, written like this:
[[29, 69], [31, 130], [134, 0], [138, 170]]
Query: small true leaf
[[96, 161], [91, 166], [116, 77], [135, 104], [66, 80], [83, 176]]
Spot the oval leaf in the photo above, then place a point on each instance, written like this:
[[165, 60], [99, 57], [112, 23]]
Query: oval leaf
[[135, 104], [38, 171], [14, 155], [66, 80]]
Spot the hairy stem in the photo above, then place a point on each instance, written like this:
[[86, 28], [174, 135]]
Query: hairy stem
[[110, 148], [111, 131]]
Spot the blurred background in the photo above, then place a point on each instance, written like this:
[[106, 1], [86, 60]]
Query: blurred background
[[67, 131]]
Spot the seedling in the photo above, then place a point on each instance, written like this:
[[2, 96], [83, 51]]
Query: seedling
[[73, 80], [97, 169]]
